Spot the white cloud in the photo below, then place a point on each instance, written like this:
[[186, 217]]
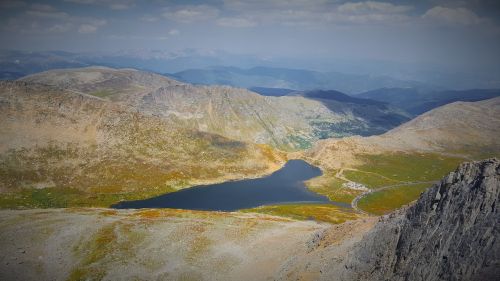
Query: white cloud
[[453, 16], [369, 12], [48, 14], [149, 18], [189, 14], [42, 8], [236, 22], [284, 12], [367, 18], [174, 32], [247, 5], [137, 37], [372, 7], [304, 13], [42, 19], [112, 4], [119, 6], [91, 27], [59, 28], [87, 28], [81, 1]]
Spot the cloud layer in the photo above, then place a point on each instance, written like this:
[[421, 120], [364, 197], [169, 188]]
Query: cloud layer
[[396, 29], [453, 16]]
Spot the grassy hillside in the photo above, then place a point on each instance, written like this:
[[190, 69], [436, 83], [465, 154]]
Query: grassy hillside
[[387, 200], [390, 168], [317, 212], [55, 156], [379, 171], [409, 157]]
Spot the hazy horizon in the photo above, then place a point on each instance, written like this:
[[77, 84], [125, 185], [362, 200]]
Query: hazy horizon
[[451, 34]]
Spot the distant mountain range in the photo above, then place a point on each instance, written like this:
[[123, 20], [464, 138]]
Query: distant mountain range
[[272, 92], [299, 79], [418, 100], [197, 68], [373, 74], [15, 64], [410, 96]]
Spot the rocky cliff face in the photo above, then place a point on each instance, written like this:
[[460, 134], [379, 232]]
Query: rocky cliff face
[[451, 233]]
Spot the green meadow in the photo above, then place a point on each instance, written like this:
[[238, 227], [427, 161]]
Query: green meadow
[[384, 170], [387, 200]]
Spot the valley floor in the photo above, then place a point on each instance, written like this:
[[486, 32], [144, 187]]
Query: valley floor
[[152, 244]]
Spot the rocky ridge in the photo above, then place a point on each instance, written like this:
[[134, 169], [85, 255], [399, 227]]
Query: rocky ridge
[[284, 122], [451, 233], [456, 126]]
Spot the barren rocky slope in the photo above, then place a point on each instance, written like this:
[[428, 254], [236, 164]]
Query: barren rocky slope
[[108, 83], [95, 244], [467, 128], [285, 122], [456, 126], [54, 138], [451, 233]]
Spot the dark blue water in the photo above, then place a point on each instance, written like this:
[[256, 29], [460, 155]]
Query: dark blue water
[[282, 187]]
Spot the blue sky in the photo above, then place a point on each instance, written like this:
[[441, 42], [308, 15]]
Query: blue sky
[[452, 33]]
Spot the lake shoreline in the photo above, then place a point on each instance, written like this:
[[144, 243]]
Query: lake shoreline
[[287, 184]]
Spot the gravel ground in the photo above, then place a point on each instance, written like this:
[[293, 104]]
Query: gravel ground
[[76, 244]]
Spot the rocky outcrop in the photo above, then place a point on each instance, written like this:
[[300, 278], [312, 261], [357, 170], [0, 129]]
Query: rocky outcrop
[[451, 233]]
